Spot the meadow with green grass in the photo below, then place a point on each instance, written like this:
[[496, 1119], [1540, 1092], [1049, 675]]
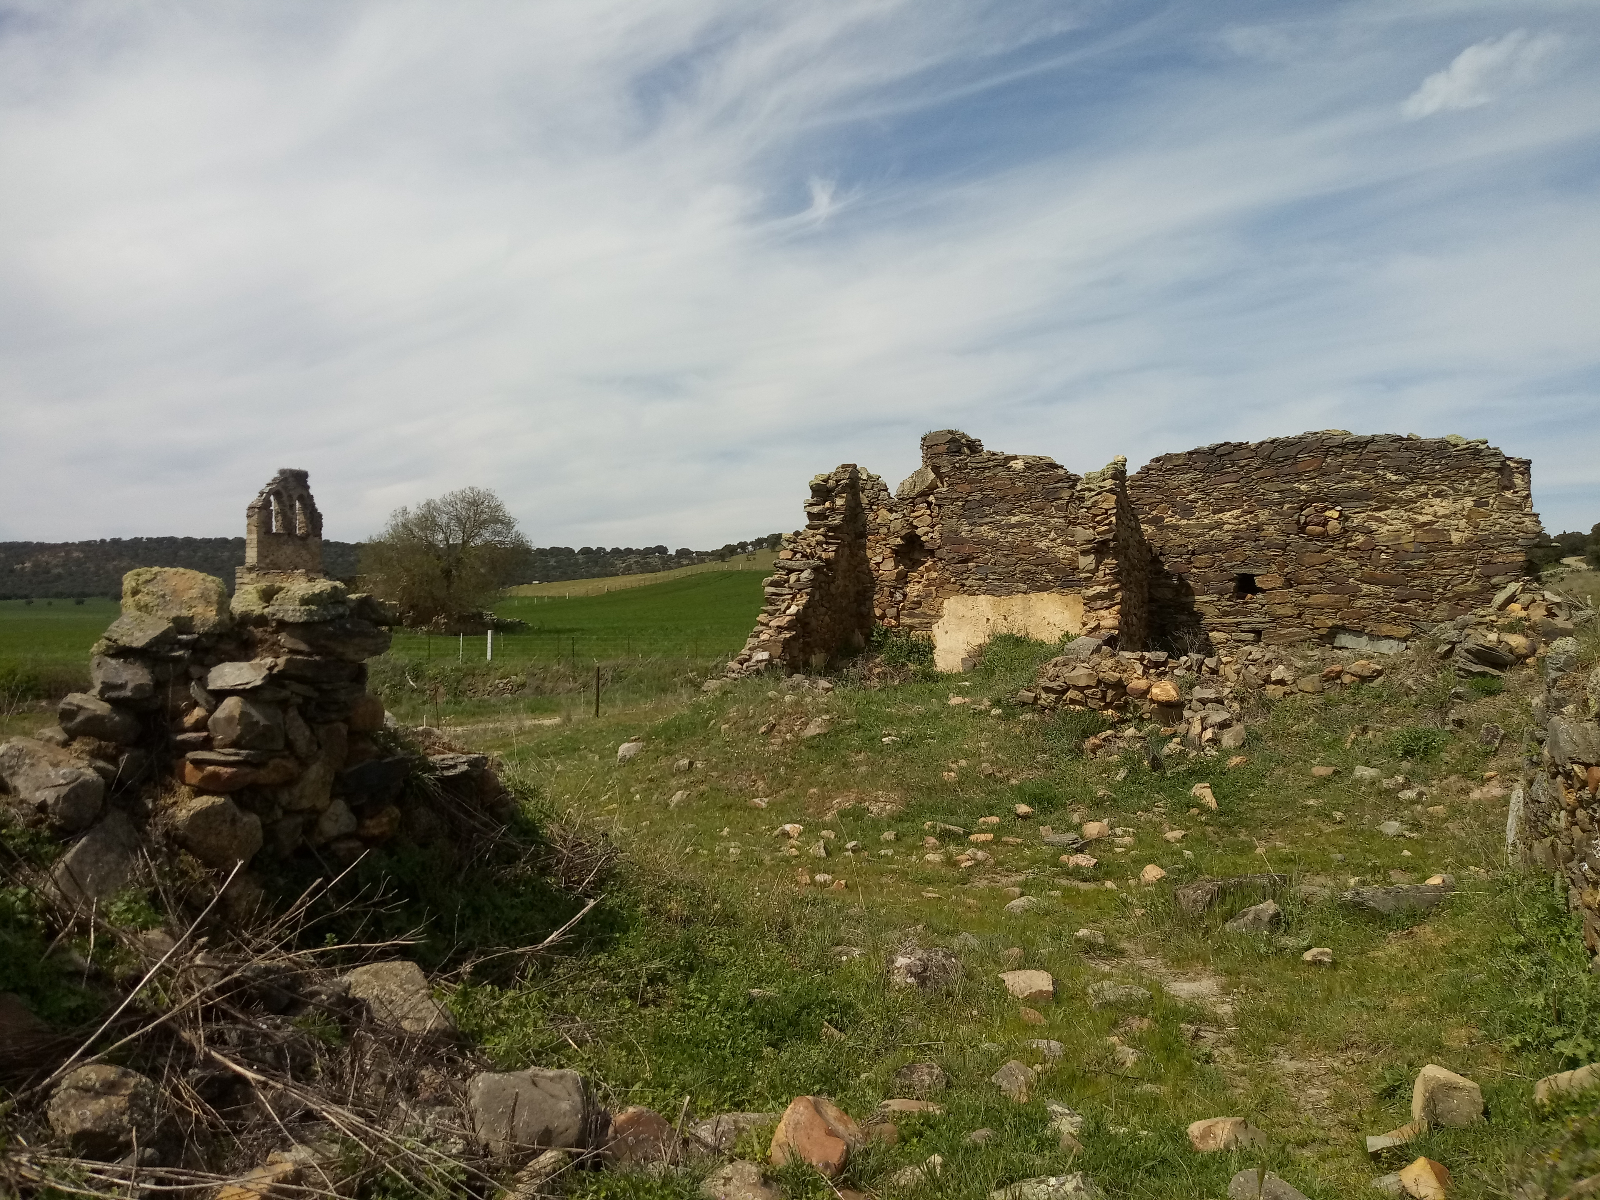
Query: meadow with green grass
[[730, 967], [720, 974]]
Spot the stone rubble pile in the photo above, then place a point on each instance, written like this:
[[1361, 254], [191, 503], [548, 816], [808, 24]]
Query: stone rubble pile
[[1203, 695], [1523, 621]]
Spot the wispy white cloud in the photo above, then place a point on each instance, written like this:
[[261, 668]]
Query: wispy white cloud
[[1482, 72], [645, 269]]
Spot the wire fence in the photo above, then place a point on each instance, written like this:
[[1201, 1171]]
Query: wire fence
[[574, 647]]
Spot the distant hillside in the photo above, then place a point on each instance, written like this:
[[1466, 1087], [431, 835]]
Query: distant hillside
[[550, 564], [69, 569], [63, 569]]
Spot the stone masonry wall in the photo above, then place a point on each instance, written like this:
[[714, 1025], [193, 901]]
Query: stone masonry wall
[[1554, 822], [819, 600], [1307, 537], [973, 523], [223, 730]]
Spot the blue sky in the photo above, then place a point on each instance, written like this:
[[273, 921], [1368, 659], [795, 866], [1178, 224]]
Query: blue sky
[[644, 268]]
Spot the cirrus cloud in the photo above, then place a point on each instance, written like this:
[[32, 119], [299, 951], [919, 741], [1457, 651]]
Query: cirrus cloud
[[1482, 72]]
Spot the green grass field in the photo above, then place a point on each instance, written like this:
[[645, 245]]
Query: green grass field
[[701, 616], [44, 648]]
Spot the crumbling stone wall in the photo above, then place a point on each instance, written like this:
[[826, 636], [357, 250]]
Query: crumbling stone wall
[[1554, 818], [819, 601], [1362, 541], [225, 730], [977, 543], [1330, 536], [282, 531]]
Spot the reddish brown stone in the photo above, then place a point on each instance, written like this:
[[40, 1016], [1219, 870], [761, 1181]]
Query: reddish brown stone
[[210, 777], [816, 1131]]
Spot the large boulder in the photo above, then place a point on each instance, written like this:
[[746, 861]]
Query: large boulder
[[215, 830], [85, 716], [122, 679], [398, 995], [99, 1111], [243, 724], [51, 783], [191, 601], [535, 1109], [99, 864]]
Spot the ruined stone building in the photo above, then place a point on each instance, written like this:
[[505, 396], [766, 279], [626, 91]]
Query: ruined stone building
[[1360, 540], [282, 532]]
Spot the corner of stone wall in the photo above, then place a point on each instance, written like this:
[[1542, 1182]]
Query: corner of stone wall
[[1118, 596], [1553, 821], [819, 601]]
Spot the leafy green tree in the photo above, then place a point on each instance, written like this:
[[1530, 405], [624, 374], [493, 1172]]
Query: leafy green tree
[[447, 557]]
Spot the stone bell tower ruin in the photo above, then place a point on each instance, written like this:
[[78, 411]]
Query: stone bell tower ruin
[[282, 533]]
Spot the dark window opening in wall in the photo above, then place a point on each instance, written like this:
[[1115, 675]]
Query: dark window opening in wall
[[1244, 586], [910, 553]]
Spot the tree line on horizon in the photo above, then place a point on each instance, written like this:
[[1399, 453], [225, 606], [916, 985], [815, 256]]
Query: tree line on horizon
[[76, 570]]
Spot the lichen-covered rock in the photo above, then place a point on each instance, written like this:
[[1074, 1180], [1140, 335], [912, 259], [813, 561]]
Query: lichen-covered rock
[[193, 602], [1076, 1186], [122, 679], [398, 995], [1225, 1133], [242, 723], [47, 782], [738, 1180], [1440, 1097], [928, 970], [85, 716], [642, 1137], [239, 676], [99, 864], [536, 1109], [99, 1110], [136, 633], [721, 1132], [215, 830], [921, 1079]]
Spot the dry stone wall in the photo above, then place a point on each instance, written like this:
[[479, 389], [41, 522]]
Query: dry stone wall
[[819, 600], [1330, 534], [1554, 819], [1361, 541], [225, 730]]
